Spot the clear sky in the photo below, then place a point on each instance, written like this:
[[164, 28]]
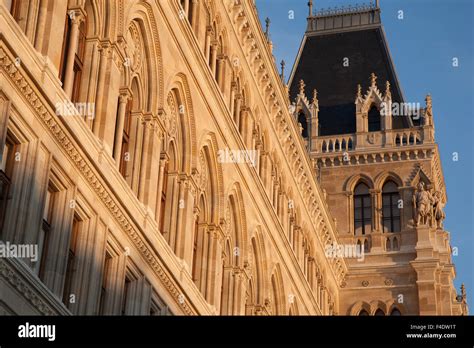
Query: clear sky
[[423, 45]]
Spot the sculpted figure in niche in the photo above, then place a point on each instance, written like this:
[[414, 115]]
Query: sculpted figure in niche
[[422, 201], [438, 212]]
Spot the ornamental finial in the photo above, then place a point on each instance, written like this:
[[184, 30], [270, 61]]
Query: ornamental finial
[[388, 93], [373, 79], [359, 91], [302, 86]]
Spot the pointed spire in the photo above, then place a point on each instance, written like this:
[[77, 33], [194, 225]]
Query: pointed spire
[[377, 3], [315, 96], [267, 27], [429, 102], [302, 86], [310, 8], [388, 93], [282, 75], [373, 79], [359, 91], [463, 291]]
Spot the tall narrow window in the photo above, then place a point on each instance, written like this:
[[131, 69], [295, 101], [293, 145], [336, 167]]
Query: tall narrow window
[[195, 249], [362, 210], [126, 288], [374, 119], [125, 155], [390, 210], [7, 162], [65, 48], [71, 261], [79, 62], [103, 289], [163, 198], [47, 225]]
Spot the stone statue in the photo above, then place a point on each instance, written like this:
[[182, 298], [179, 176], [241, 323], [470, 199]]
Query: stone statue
[[438, 212], [422, 201]]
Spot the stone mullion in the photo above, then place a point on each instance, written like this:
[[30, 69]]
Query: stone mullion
[[115, 284]]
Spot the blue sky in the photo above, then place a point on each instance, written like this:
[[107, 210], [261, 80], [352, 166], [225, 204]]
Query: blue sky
[[423, 45]]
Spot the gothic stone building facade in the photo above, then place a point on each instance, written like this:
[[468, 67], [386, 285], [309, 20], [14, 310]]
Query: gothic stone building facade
[[150, 152]]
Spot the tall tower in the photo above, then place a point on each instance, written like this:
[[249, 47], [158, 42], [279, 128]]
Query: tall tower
[[378, 163]]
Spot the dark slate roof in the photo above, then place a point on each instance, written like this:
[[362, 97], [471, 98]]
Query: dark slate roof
[[321, 66]]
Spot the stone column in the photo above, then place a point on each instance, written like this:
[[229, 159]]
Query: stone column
[[193, 18], [104, 49], [163, 161], [207, 52], [213, 64], [144, 163], [76, 19], [185, 222], [119, 125], [186, 7], [214, 263], [276, 194], [376, 236], [220, 71], [237, 110], [232, 98]]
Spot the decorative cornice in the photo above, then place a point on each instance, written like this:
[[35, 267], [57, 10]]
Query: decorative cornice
[[13, 275]]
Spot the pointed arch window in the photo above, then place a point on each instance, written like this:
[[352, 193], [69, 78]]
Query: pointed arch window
[[362, 210], [374, 119], [390, 210], [363, 313], [379, 313], [395, 312]]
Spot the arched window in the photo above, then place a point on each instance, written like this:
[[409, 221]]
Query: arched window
[[374, 119], [379, 313], [390, 210], [363, 313], [395, 312], [362, 210]]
